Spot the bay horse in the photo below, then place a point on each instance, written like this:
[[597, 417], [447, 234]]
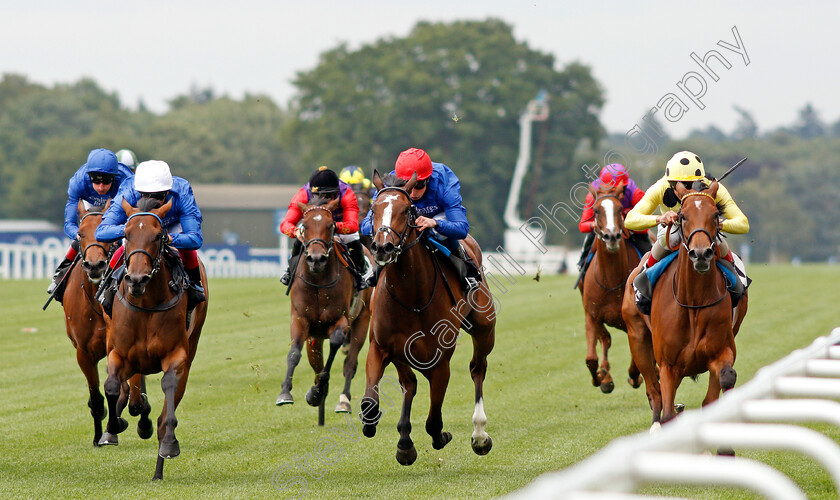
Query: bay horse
[[322, 305], [602, 288], [86, 324], [419, 309], [149, 331], [692, 325]]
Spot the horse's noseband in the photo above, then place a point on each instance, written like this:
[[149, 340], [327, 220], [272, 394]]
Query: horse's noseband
[[400, 247], [687, 240], [95, 243], [156, 261], [328, 245]]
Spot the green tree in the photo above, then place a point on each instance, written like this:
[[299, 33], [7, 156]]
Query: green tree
[[809, 124], [455, 90]]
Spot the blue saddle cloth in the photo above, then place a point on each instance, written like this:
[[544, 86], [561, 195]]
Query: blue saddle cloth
[[656, 271]]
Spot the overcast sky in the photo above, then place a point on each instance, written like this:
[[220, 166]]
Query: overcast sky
[[639, 51]]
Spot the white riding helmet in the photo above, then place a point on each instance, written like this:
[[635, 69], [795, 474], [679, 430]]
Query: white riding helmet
[[153, 176], [127, 158]]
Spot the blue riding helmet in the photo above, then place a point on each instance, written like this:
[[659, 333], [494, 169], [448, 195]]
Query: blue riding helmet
[[102, 161]]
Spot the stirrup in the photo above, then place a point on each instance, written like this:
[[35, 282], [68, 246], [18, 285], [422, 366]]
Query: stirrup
[[472, 283], [286, 276]]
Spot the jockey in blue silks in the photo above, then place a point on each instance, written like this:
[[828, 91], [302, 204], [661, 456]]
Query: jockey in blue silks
[[437, 199], [94, 183], [182, 222]]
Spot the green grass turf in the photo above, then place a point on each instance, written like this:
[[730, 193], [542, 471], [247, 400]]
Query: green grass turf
[[543, 413]]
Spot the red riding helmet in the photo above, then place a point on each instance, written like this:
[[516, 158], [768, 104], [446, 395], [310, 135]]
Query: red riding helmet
[[614, 174], [413, 160]]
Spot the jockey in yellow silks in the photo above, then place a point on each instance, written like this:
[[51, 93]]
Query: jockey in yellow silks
[[685, 167]]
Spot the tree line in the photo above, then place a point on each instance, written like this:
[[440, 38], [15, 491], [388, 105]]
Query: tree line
[[454, 89]]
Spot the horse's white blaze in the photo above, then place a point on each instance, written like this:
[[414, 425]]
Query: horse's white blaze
[[317, 218], [479, 421], [608, 208], [697, 204], [141, 225], [389, 209]]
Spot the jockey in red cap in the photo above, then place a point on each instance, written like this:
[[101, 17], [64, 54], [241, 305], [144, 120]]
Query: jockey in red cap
[[614, 174], [437, 199]]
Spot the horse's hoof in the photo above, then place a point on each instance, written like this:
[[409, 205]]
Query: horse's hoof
[[169, 450], [96, 441], [481, 449], [679, 408], [369, 430], [285, 399], [445, 438], [343, 405], [406, 457], [727, 452], [122, 424], [635, 383], [145, 428], [607, 387], [655, 428], [135, 410], [108, 439], [315, 396]]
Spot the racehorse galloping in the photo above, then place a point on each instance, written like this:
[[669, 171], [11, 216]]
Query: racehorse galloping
[[603, 286], [86, 324], [149, 332], [323, 308], [420, 307], [692, 325]]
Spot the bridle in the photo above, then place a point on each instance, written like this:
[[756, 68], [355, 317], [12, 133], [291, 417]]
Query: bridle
[[156, 260], [95, 243], [686, 240], [596, 228], [328, 245], [411, 213]]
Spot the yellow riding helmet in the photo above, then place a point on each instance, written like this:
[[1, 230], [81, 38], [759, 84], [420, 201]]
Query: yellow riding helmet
[[685, 166], [352, 175], [366, 183]]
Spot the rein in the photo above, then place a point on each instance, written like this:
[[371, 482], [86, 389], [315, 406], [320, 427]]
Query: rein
[[402, 247], [685, 242], [156, 265], [328, 246]]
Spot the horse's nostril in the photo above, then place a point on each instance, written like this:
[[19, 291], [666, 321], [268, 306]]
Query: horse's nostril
[[374, 247], [708, 253], [692, 254], [389, 247], [322, 259]]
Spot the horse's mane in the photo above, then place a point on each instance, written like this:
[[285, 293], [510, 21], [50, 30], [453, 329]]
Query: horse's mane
[[319, 200], [391, 180], [147, 204]]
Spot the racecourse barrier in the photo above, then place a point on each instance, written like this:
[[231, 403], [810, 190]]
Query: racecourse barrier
[[26, 261], [798, 388]]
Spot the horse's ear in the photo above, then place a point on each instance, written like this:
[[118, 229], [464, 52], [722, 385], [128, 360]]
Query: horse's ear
[[162, 211], [713, 189], [680, 190], [332, 205], [411, 182], [81, 207], [129, 210], [592, 191], [377, 180], [302, 206]]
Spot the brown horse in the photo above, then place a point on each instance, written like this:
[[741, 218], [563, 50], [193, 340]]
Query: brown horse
[[149, 331], [323, 307], [86, 324], [692, 325], [419, 310], [603, 286]]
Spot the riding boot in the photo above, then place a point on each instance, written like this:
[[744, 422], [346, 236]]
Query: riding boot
[[738, 291], [293, 260], [587, 246], [57, 284], [373, 276], [643, 289], [108, 289], [195, 292], [357, 255], [467, 270]]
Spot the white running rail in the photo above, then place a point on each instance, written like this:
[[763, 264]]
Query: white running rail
[[674, 455]]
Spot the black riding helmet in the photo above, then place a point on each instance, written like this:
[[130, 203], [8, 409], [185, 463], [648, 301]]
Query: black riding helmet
[[324, 182]]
